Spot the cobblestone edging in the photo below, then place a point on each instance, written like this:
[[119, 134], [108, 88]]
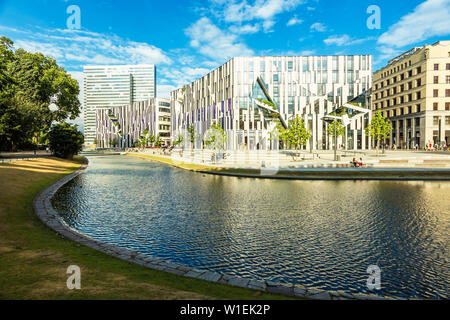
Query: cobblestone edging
[[44, 210]]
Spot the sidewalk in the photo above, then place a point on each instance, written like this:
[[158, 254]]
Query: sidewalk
[[412, 167]]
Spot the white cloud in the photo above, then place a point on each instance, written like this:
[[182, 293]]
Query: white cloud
[[238, 12], [307, 52], [294, 21], [429, 19], [345, 40], [319, 27], [339, 41], [212, 42], [165, 90], [245, 29], [75, 46]]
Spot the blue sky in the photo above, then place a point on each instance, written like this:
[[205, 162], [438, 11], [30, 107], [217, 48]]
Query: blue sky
[[186, 39]]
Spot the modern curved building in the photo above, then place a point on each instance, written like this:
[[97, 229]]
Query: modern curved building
[[310, 86]]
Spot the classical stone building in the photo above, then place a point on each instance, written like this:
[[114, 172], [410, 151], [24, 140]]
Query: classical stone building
[[309, 86], [124, 125], [413, 91]]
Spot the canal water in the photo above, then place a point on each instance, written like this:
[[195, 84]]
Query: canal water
[[321, 234]]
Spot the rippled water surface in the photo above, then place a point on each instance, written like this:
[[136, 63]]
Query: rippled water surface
[[319, 234]]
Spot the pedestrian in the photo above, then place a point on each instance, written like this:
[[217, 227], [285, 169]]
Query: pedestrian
[[360, 163]]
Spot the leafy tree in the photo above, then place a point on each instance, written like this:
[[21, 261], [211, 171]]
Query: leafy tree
[[297, 135], [336, 129], [379, 129], [279, 133], [179, 141], [191, 131], [158, 141], [65, 140], [151, 139], [34, 93], [114, 142], [215, 138]]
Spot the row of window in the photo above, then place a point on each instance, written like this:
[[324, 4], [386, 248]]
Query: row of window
[[400, 88], [436, 66], [436, 79], [403, 99], [398, 78], [436, 106], [396, 69], [398, 100], [436, 93], [409, 110]]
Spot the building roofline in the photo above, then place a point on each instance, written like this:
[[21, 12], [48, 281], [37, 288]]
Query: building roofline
[[412, 52]]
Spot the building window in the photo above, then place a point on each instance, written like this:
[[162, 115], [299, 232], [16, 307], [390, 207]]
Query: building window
[[409, 110], [435, 106], [275, 79], [447, 106], [418, 108], [435, 121], [447, 66], [418, 95], [418, 82], [447, 79], [290, 65], [419, 70], [436, 66], [435, 93], [447, 120], [447, 93], [436, 80]]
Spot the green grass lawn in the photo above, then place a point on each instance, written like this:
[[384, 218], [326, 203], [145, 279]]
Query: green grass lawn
[[34, 259]]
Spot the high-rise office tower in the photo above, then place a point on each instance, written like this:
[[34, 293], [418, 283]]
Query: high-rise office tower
[[113, 86]]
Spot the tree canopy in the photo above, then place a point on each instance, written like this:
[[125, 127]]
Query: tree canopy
[[339, 131], [65, 140], [297, 135], [34, 93], [379, 129]]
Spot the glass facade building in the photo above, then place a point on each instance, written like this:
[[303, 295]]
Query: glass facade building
[[309, 86], [113, 86]]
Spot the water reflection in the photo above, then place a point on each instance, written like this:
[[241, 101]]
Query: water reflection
[[322, 234]]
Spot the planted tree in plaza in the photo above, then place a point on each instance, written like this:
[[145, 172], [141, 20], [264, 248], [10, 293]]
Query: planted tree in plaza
[[215, 138], [114, 143], [297, 135], [151, 139], [379, 129], [158, 141], [279, 133], [179, 141], [191, 131], [65, 140], [336, 129]]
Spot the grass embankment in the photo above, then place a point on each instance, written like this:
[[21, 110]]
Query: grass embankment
[[34, 259]]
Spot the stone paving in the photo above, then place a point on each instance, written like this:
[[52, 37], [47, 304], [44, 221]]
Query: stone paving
[[46, 213]]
